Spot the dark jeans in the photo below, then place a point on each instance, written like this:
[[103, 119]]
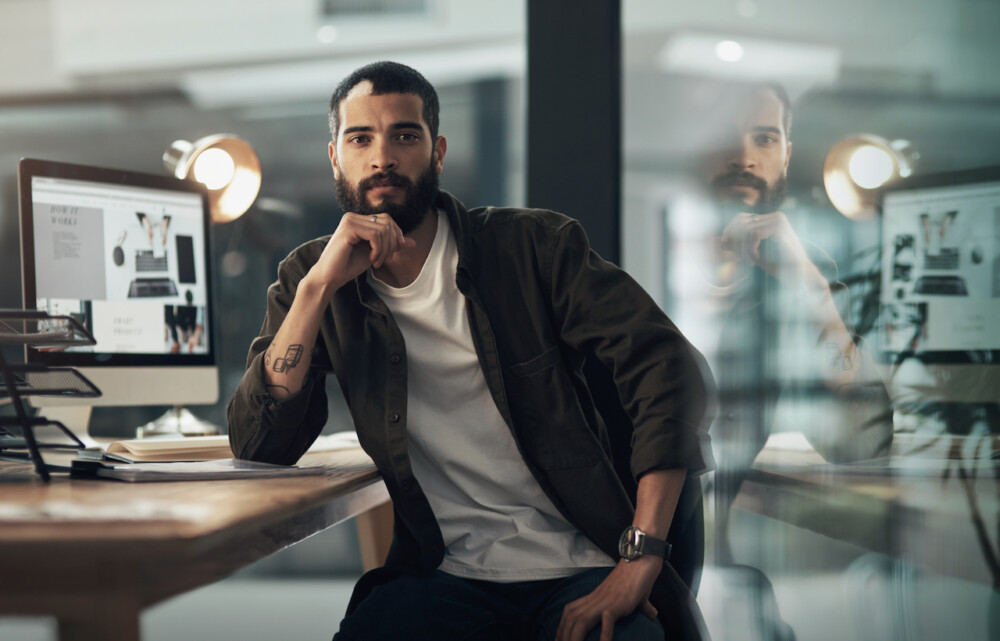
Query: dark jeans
[[442, 607]]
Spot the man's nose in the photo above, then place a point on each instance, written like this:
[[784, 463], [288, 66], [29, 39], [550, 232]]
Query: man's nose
[[741, 157], [383, 158]]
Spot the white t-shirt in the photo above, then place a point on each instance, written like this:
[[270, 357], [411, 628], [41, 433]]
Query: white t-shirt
[[497, 523]]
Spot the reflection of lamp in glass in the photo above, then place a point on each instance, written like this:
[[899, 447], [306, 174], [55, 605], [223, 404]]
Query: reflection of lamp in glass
[[857, 167], [226, 164]]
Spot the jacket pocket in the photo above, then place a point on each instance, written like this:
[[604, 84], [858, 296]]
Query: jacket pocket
[[548, 358], [547, 414]]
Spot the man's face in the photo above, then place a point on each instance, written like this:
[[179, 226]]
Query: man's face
[[384, 160], [749, 170]]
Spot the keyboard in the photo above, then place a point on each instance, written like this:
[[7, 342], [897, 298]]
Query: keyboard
[[146, 261], [947, 259], [151, 287]]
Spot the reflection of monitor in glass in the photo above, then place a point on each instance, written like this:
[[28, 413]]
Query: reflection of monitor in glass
[[941, 287], [128, 255]]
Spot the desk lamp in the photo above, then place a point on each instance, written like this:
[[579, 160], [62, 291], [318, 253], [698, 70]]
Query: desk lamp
[[857, 167], [229, 167]]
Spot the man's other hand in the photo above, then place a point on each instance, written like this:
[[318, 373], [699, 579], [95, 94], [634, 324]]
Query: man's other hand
[[626, 589]]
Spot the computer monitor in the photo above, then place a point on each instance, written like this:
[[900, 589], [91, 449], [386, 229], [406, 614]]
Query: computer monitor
[[940, 290], [128, 254]]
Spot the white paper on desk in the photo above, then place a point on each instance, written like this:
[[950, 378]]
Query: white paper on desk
[[224, 469], [336, 441]]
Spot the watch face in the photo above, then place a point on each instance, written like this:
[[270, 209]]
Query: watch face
[[629, 546]]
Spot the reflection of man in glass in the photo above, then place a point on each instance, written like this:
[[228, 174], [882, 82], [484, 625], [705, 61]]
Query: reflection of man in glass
[[784, 349]]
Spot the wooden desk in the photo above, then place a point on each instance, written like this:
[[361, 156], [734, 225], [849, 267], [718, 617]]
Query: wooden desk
[[152, 541], [944, 516]]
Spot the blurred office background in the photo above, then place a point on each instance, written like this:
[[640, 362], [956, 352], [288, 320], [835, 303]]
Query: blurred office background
[[114, 82]]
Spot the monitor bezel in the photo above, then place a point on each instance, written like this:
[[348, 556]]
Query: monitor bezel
[[30, 168], [960, 178]]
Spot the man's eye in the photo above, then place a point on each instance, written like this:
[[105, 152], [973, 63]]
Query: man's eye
[[765, 139], [408, 137], [358, 139]]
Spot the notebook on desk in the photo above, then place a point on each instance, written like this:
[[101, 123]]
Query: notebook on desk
[[198, 448], [184, 448], [224, 469]]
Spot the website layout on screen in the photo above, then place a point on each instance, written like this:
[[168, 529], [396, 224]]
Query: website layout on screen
[[128, 262], [941, 268]]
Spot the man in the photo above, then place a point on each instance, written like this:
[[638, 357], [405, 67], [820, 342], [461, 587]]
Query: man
[[458, 338], [779, 297]]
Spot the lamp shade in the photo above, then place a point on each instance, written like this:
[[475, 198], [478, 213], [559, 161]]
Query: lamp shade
[[856, 169], [226, 164]]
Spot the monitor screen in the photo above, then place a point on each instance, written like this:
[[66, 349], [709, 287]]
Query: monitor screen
[[127, 254], [940, 290]]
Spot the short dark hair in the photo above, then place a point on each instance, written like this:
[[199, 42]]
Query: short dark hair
[[388, 77], [786, 106]]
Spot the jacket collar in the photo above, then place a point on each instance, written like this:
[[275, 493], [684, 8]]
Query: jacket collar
[[461, 223]]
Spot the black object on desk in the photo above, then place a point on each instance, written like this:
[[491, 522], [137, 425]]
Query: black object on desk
[[39, 329]]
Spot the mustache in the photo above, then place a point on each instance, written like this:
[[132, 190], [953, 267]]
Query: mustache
[[740, 179], [384, 179]]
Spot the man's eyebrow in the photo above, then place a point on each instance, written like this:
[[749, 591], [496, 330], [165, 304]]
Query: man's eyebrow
[[767, 129], [407, 125], [354, 130]]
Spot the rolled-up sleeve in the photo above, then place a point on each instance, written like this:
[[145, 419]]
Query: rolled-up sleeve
[[260, 427], [663, 382]]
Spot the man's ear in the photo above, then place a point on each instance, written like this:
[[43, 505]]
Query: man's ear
[[332, 149], [440, 147], [788, 155]]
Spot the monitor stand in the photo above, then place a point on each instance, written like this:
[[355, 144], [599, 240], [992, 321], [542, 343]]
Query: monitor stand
[[177, 421]]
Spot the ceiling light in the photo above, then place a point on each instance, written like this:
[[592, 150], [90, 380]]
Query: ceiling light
[[729, 51], [326, 34], [749, 59]]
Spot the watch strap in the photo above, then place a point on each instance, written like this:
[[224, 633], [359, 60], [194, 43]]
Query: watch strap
[[635, 543]]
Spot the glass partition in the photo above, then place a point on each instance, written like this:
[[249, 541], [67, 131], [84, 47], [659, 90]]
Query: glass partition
[[809, 190]]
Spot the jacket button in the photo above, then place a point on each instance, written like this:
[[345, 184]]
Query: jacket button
[[394, 418], [395, 359]]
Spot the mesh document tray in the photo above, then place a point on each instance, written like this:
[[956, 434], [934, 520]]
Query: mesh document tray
[[48, 434], [39, 380], [38, 329]]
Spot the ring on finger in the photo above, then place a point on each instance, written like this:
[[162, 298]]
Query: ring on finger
[[374, 218]]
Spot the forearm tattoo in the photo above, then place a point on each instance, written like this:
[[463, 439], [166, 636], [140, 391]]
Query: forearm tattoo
[[291, 358]]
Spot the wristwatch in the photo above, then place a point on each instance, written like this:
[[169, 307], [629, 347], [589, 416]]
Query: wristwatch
[[634, 543]]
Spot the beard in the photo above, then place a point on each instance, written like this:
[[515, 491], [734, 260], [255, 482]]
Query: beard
[[769, 196], [408, 214]]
